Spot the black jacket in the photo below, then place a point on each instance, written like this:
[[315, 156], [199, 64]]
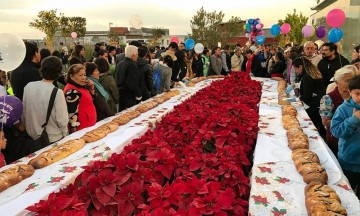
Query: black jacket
[[145, 78], [27, 72], [102, 108], [278, 67], [311, 90], [256, 68], [328, 67], [127, 78]]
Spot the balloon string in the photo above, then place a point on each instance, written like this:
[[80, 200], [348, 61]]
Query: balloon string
[[2, 110], [337, 38]]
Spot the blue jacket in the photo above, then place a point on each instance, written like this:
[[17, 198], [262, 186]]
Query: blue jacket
[[346, 127]]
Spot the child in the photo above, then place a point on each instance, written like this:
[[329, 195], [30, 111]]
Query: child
[[345, 125], [2, 146]]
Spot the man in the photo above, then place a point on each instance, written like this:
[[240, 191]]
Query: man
[[120, 57], [157, 52], [127, 79], [27, 72], [330, 62], [145, 74], [310, 51], [226, 60], [112, 55]]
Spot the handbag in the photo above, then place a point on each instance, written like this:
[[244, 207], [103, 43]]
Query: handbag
[[43, 141]]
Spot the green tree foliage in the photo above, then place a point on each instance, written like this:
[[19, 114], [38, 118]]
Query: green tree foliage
[[297, 22], [114, 37], [157, 33], [72, 24], [208, 28], [48, 23]]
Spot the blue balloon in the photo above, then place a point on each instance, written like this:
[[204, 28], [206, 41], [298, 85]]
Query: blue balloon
[[250, 21], [260, 39], [248, 27], [189, 44], [275, 29], [335, 35]]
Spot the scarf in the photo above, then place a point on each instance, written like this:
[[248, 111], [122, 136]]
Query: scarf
[[99, 87], [248, 64]]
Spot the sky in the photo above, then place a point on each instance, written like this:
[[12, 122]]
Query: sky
[[15, 15]]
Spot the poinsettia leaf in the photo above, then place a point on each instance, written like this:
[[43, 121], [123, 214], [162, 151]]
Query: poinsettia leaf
[[125, 208], [226, 199], [103, 197], [220, 141], [110, 189], [124, 178], [221, 213], [166, 170], [195, 165], [96, 203]]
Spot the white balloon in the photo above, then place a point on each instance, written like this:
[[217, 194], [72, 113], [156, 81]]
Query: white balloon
[[12, 51], [135, 21], [199, 48]]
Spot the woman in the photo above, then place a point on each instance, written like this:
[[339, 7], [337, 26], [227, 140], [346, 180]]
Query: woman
[[179, 67], [330, 102], [355, 57], [79, 94], [78, 55], [237, 60], [100, 101], [36, 101], [252, 64], [279, 66], [165, 73], [215, 62], [206, 61], [109, 84], [197, 65], [312, 88]]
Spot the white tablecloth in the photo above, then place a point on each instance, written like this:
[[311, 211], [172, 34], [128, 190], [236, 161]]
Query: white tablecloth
[[14, 200], [276, 187]]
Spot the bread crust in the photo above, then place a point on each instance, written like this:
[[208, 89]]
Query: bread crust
[[56, 153]]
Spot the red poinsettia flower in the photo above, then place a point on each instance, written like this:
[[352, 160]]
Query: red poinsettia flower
[[128, 198]]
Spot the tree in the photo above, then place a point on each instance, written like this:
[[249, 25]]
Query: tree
[[208, 28], [114, 36], [48, 23], [297, 22], [157, 33], [73, 24]]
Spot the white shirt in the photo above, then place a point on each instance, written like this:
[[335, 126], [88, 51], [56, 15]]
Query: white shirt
[[36, 101]]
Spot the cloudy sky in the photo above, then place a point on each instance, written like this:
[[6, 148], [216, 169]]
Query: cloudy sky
[[15, 15]]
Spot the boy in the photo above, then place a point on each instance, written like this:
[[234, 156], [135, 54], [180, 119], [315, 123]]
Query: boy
[[345, 125]]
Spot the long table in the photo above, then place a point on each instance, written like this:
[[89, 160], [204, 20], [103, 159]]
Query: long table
[[276, 186], [52, 178]]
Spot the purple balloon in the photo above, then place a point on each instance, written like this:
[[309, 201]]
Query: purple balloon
[[11, 110], [320, 31]]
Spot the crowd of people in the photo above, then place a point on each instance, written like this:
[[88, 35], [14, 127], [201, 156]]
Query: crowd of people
[[89, 90]]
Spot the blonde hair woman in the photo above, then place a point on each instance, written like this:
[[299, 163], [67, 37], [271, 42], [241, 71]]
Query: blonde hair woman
[[312, 88]]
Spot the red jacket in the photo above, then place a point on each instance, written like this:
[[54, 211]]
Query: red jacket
[[83, 101]]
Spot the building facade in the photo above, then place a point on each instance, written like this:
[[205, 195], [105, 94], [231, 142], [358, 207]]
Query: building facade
[[351, 27]]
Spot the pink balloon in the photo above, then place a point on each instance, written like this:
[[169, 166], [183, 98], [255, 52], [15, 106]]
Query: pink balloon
[[335, 18], [261, 32], [258, 26], [174, 39], [285, 28], [307, 31], [73, 35]]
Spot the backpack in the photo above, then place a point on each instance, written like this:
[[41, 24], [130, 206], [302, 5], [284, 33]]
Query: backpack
[[157, 78]]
